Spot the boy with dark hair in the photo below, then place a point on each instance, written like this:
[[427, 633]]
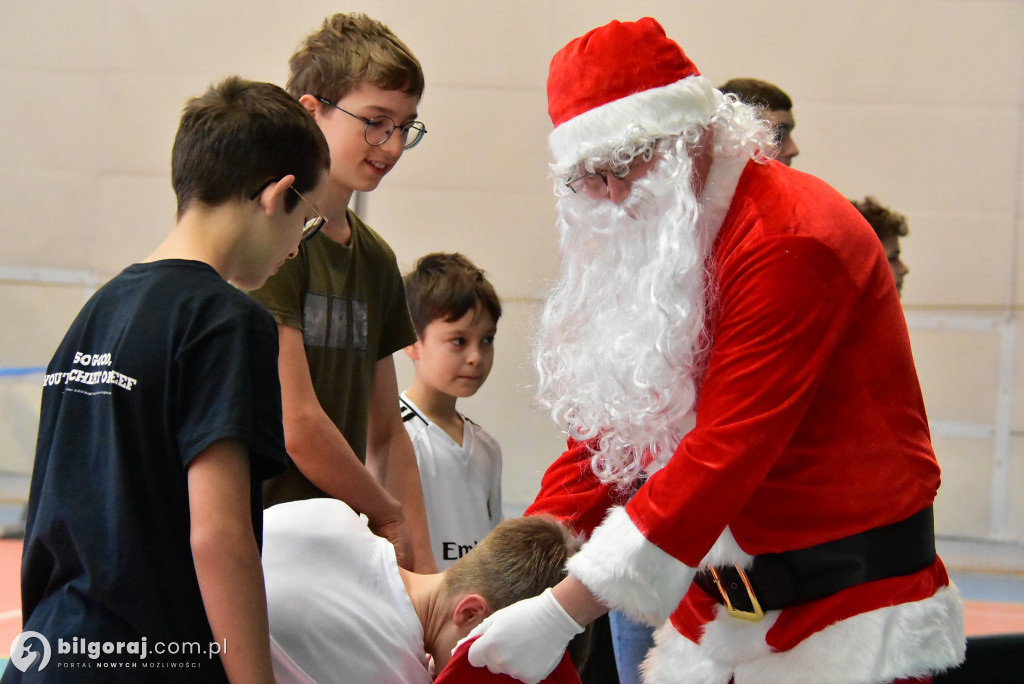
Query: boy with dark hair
[[889, 226], [757, 93], [340, 603], [340, 306], [161, 415], [455, 311], [775, 107]]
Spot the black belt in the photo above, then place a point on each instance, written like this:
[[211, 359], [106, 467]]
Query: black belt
[[779, 580]]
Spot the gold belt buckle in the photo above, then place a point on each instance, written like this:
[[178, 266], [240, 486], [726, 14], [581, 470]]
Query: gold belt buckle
[[755, 615]]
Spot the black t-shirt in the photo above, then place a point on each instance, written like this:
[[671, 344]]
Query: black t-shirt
[[162, 361]]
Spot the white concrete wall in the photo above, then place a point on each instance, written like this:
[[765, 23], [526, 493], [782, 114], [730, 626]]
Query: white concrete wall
[[918, 102]]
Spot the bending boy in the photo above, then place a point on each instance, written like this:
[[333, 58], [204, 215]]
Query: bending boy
[[161, 414], [340, 603]]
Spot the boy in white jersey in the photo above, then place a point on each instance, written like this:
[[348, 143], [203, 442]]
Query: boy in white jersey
[[455, 311]]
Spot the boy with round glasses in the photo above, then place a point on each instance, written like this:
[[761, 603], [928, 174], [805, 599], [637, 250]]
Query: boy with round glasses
[[340, 305], [161, 415]]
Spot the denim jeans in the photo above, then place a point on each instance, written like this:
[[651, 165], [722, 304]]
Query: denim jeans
[[631, 641]]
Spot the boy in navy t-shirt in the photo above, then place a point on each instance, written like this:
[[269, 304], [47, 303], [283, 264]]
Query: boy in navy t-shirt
[[161, 415]]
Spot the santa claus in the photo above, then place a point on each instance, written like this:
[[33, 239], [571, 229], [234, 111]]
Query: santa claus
[[726, 332]]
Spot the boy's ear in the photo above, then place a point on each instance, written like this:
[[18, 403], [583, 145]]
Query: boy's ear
[[413, 351], [272, 196], [471, 611], [311, 104]]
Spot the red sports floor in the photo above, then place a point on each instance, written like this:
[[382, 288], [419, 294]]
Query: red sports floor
[[10, 595], [982, 617]]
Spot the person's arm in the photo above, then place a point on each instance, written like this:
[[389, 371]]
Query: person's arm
[[578, 601], [572, 492], [390, 456], [325, 458], [227, 560]]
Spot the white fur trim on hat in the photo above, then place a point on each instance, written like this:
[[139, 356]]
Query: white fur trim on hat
[[658, 112], [902, 641], [629, 573]]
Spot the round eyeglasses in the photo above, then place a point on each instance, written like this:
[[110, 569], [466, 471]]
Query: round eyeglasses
[[379, 128]]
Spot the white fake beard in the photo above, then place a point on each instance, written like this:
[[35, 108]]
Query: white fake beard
[[621, 336]]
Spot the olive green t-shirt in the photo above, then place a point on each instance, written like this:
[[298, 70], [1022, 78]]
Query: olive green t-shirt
[[349, 303]]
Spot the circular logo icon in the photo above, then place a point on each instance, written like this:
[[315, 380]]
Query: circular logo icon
[[22, 655]]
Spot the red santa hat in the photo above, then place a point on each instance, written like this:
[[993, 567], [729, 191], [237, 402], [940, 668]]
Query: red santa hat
[[619, 76]]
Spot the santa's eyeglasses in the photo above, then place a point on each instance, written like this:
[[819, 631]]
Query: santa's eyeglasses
[[594, 185]]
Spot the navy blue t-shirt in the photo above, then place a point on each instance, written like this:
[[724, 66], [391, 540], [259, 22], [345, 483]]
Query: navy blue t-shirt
[[163, 360]]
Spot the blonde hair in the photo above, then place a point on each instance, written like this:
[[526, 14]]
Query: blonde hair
[[348, 50], [520, 558]]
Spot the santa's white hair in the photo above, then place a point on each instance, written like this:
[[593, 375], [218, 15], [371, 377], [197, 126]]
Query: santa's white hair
[[623, 336]]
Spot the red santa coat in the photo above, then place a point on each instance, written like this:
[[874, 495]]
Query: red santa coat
[[810, 427], [460, 671]]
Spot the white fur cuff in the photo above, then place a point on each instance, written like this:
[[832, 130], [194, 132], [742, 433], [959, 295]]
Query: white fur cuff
[[629, 573], [902, 641]]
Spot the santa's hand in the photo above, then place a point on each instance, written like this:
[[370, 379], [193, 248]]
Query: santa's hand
[[525, 640]]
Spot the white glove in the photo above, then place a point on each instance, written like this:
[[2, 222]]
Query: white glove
[[525, 640]]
